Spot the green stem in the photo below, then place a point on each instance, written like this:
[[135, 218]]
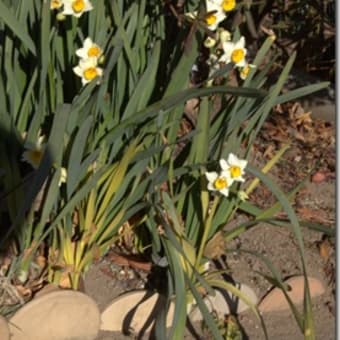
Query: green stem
[[206, 232]]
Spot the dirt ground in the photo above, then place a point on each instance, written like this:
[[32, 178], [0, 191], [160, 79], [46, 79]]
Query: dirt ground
[[312, 154]]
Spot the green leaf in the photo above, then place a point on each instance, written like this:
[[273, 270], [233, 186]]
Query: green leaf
[[179, 321], [75, 172], [208, 319], [276, 278], [301, 92], [145, 85], [17, 27], [161, 107]]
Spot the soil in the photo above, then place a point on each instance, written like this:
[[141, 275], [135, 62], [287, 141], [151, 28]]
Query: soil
[[310, 157]]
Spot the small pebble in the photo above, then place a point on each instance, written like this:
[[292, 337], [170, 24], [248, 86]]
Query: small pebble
[[318, 177]]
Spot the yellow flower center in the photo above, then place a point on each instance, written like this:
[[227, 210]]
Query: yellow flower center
[[78, 5], [35, 156], [228, 5], [220, 183], [210, 19], [237, 55], [90, 73], [93, 51], [244, 72], [56, 4], [235, 171]]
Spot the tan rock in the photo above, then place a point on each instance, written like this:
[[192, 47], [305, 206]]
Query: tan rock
[[4, 329], [223, 303], [49, 288], [134, 311], [59, 315], [276, 301]]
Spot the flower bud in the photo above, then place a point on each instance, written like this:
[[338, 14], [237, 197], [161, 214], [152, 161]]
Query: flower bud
[[209, 42], [224, 35], [60, 17]]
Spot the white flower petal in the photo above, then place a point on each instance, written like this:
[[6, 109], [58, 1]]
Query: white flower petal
[[84, 52], [241, 63], [219, 14], [225, 192], [234, 160], [88, 43], [211, 186], [69, 9], [227, 176], [78, 71], [224, 165], [63, 176], [240, 44], [211, 176], [229, 47]]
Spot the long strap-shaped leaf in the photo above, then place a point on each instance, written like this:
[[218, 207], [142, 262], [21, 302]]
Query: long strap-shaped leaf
[[163, 106], [308, 321], [18, 29]]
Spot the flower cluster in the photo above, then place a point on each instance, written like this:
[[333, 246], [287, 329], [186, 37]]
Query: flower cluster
[[224, 50], [71, 7], [217, 11], [90, 55], [232, 170]]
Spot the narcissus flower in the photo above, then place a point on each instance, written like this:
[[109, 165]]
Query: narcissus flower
[[234, 167], [228, 5], [225, 5], [214, 15], [88, 70], [219, 182], [56, 4], [76, 7], [234, 53], [89, 50], [244, 71], [34, 153]]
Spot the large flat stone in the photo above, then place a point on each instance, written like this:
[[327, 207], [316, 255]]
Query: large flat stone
[[134, 312], [4, 329], [275, 300], [59, 315], [225, 303]]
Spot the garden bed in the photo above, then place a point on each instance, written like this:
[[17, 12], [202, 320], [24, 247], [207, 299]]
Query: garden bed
[[312, 147]]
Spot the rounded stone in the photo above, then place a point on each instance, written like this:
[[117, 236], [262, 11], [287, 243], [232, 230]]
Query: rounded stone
[[59, 315], [275, 300], [225, 302], [49, 288], [133, 312], [4, 329]]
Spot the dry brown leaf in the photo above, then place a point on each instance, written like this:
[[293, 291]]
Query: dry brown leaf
[[270, 151], [24, 291], [313, 215], [299, 136], [41, 261], [130, 261], [215, 247]]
